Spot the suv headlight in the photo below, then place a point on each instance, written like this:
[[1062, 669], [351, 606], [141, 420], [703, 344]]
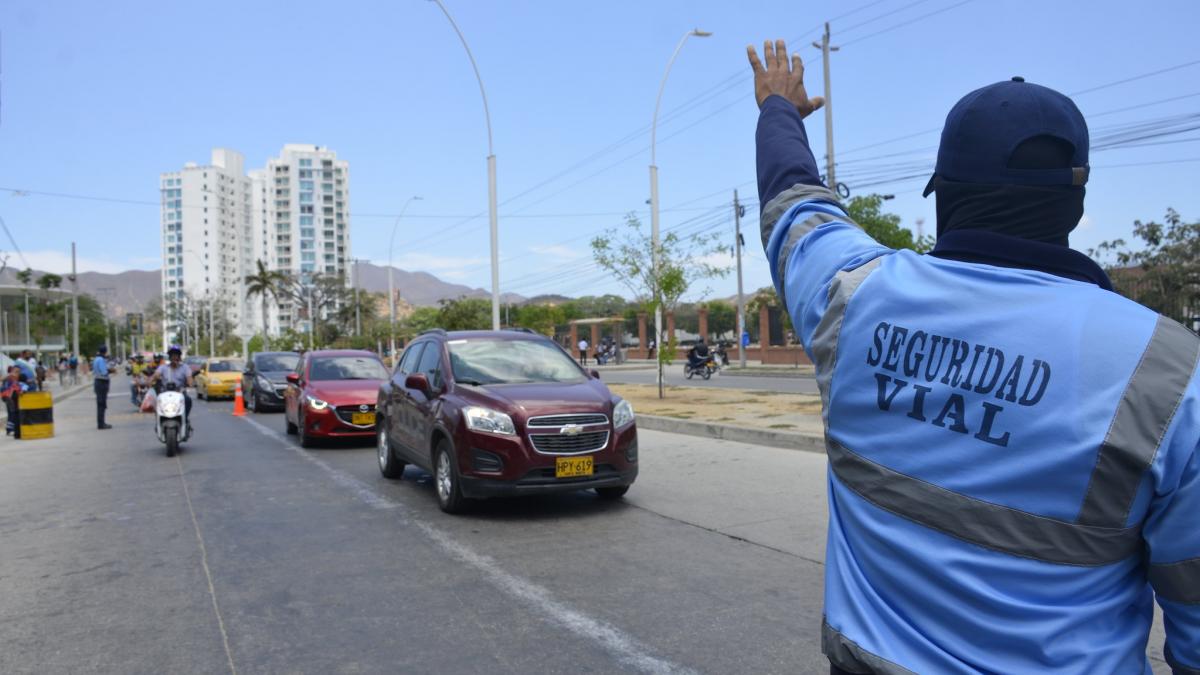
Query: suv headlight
[[491, 421], [317, 404], [622, 414], [263, 383]]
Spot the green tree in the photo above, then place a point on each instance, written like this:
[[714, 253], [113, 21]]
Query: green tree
[[629, 256], [46, 313], [319, 294], [540, 317], [465, 313], [867, 211], [1164, 273], [425, 318], [722, 317], [265, 283]]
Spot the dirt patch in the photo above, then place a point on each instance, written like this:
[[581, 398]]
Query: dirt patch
[[736, 407]]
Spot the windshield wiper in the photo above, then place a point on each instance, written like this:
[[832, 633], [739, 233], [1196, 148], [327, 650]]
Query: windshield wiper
[[467, 380]]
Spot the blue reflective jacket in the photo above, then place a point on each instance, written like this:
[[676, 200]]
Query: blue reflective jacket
[[1013, 467]]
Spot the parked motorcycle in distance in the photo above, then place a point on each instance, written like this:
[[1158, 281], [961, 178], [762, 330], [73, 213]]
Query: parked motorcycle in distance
[[170, 419]]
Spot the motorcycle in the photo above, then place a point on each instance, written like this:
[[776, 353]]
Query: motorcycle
[[170, 419], [704, 369], [722, 354]]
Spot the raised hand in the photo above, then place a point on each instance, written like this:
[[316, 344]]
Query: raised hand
[[778, 78]]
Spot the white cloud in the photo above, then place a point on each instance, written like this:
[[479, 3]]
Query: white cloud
[[449, 266], [556, 251], [59, 262]]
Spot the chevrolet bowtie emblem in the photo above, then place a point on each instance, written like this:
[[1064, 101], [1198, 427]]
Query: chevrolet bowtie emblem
[[571, 430]]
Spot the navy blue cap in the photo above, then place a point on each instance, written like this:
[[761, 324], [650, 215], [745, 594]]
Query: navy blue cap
[[986, 126]]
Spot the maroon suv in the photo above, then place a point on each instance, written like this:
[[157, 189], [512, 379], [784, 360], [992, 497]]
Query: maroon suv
[[503, 413]]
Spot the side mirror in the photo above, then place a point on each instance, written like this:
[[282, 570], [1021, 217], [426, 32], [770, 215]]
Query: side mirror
[[417, 381], [594, 373], [293, 378]]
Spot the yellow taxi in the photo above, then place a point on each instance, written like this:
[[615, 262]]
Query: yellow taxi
[[218, 378]]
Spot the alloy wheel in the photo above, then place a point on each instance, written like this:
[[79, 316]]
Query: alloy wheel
[[445, 481]]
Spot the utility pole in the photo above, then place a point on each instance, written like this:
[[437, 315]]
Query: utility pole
[[212, 335], [741, 301], [825, 48], [357, 315], [311, 323], [74, 306]]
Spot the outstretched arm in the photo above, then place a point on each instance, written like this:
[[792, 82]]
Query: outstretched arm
[[784, 158], [806, 233]]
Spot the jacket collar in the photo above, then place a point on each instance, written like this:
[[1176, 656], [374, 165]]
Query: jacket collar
[[989, 248]]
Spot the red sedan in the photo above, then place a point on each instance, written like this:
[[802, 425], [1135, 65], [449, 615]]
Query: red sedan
[[332, 394]]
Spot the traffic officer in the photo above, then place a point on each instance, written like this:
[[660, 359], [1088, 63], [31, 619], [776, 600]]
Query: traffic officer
[[100, 383], [1013, 472]]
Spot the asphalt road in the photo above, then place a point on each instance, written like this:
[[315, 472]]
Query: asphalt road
[[674, 376], [248, 554]]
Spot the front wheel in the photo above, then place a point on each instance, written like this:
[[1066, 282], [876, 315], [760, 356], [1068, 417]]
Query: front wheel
[[706, 373], [389, 466], [171, 435], [449, 493]]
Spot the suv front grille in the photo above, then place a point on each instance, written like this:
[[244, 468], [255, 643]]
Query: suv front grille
[[564, 420], [568, 444]]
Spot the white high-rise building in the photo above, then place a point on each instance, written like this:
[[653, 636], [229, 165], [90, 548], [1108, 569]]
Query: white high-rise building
[[217, 220], [307, 218], [206, 238]]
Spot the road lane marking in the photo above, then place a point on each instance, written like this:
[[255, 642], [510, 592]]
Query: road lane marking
[[624, 647], [212, 592]]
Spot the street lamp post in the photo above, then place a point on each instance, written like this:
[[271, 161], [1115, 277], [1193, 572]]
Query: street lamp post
[[491, 161], [654, 240], [391, 283]]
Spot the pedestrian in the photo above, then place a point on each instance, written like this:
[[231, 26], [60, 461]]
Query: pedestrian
[[73, 363], [100, 385], [1013, 472], [62, 371], [10, 391], [583, 347], [28, 366], [652, 348]]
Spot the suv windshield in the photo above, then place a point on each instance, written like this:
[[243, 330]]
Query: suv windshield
[[510, 362], [224, 366], [276, 362], [347, 368]]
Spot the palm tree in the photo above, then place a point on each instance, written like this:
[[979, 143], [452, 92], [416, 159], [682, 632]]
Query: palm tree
[[264, 283]]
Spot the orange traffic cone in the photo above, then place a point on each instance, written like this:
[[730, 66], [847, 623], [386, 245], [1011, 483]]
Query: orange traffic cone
[[239, 405]]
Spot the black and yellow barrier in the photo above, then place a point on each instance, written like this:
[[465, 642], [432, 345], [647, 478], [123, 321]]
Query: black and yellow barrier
[[35, 415]]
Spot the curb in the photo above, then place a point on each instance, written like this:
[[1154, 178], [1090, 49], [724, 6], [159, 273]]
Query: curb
[[788, 440], [755, 372]]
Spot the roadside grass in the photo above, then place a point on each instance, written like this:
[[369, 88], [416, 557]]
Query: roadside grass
[[736, 407]]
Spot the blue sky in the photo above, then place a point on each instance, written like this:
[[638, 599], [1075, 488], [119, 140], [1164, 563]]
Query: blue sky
[[97, 99]]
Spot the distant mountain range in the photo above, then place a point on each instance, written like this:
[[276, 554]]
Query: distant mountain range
[[132, 290]]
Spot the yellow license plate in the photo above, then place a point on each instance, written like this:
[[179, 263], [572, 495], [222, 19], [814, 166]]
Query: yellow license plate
[[571, 467], [362, 419]]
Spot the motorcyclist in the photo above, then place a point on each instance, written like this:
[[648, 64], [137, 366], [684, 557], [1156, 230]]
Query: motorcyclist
[[135, 368], [175, 371], [698, 355]]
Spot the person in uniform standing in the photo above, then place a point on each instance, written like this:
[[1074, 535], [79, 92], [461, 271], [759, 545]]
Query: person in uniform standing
[[1013, 474], [100, 383]]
